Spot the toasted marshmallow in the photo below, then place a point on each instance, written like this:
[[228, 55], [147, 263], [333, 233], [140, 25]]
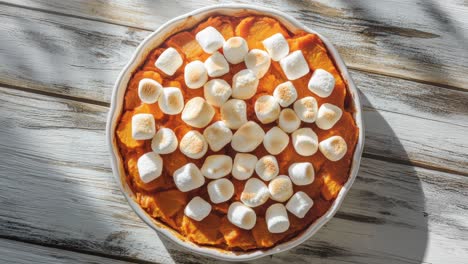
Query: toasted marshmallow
[[171, 101], [143, 126], [306, 109], [220, 190], [195, 74], [235, 49], [277, 46], [217, 135], [217, 92], [193, 145], [301, 173], [276, 218], [216, 65], [210, 39], [244, 84], [247, 137], [285, 93], [267, 109], [217, 166], [333, 148], [149, 166], [294, 65], [169, 61], [275, 141], [165, 141], [255, 193], [188, 177], [241, 216], [234, 113], [197, 209], [299, 204], [288, 120], [280, 188], [197, 112], [322, 83], [267, 168], [305, 141], [149, 90], [258, 61], [328, 115], [244, 166]]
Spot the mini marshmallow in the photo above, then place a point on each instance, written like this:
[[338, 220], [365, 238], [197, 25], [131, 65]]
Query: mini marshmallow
[[276, 218], [294, 65], [267, 168], [216, 65], [220, 190], [241, 216], [305, 141], [301, 173], [165, 141], [328, 115], [244, 84], [277, 46], [234, 113], [288, 120], [193, 145], [197, 112], [247, 137], [255, 193], [322, 83], [197, 209], [188, 177], [280, 188], [299, 204], [306, 109], [149, 90], [169, 61], [235, 49], [210, 39], [217, 166], [217, 135], [149, 166], [143, 126], [244, 166], [171, 101], [267, 109], [285, 93], [275, 140], [258, 61], [195, 74], [333, 148], [217, 92]]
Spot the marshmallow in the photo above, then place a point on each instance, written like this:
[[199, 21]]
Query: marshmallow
[[244, 166], [285, 93], [210, 39], [169, 61], [247, 137], [328, 115], [305, 141], [217, 135], [235, 49], [294, 65], [267, 168], [143, 126], [188, 177], [306, 109], [234, 113], [267, 109], [244, 84], [275, 140], [258, 61], [165, 141], [217, 92], [277, 46], [193, 145], [301, 173], [280, 188], [276, 218], [217, 166], [288, 120], [220, 190], [299, 204], [216, 65], [255, 193], [322, 83], [149, 90], [241, 216], [197, 112], [333, 148], [197, 209], [195, 74], [149, 166], [171, 101]]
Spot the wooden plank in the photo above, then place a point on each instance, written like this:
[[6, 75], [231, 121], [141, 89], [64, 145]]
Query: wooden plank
[[56, 189]]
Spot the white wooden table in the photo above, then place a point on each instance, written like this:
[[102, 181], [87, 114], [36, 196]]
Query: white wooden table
[[60, 204]]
